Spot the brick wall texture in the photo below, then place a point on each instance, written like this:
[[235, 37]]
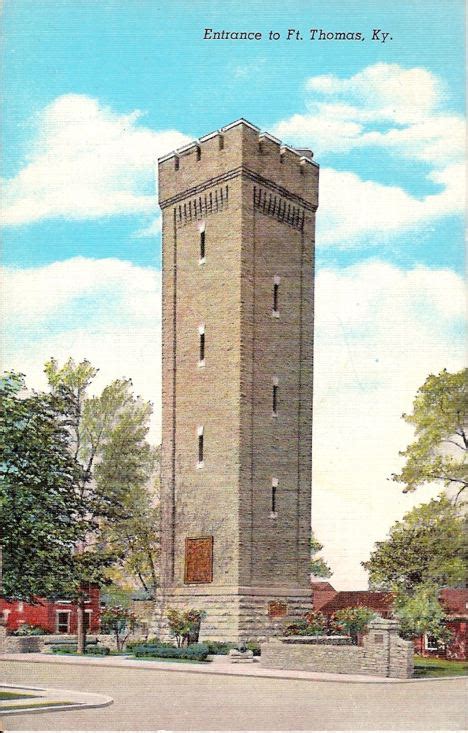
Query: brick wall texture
[[256, 203]]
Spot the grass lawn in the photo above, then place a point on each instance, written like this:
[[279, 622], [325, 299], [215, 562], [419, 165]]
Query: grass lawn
[[29, 705], [13, 695], [433, 667]]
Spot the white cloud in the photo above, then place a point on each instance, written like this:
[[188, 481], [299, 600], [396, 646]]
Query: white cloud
[[379, 332], [383, 105], [87, 162], [398, 112], [353, 211], [150, 230], [108, 311], [384, 91]]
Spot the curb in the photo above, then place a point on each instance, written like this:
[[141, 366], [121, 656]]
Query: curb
[[238, 672], [89, 700]]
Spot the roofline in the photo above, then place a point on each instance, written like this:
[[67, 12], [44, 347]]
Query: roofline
[[240, 121]]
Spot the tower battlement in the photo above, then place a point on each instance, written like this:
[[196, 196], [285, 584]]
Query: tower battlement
[[238, 148]]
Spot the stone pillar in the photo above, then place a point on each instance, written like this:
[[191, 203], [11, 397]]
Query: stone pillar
[[386, 651], [2, 635]]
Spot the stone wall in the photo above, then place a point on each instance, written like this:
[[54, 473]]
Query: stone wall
[[28, 644], [382, 654]]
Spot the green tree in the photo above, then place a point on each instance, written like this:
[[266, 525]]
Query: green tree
[[426, 546], [440, 418], [42, 512], [136, 540], [318, 566], [109, 436], [421, 613], [118, 621]]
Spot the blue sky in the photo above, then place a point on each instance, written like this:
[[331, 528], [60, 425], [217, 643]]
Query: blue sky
[[95, 91]]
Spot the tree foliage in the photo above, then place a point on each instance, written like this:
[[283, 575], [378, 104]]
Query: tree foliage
[[119, 621], [421, 613], [426, 546], [42, 511], [440, 418], [318, 566], [109, 435]]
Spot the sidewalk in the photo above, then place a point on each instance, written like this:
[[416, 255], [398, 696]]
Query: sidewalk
[[217, 667]]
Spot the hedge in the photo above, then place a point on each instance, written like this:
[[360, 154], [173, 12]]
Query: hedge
[[101, 651], [224, 647], [197, 652]]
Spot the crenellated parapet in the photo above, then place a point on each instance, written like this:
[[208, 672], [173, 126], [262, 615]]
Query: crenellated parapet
[[239, 149]]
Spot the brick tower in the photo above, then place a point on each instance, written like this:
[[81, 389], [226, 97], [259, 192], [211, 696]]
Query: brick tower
[[238, 274]]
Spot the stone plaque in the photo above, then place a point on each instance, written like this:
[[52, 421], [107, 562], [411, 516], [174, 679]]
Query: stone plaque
[[277, 609], [198, 560], [378, 638]]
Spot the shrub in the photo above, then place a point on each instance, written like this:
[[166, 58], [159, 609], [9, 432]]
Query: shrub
[[224, 647], [195, 652], [254, 647], [312, 624], [184, 626], [95, 649], [63, 649], [101, 651], [153, 641], [30, 630], [352, 621], [220, 647]]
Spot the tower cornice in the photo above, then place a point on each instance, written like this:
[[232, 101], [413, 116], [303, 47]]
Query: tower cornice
[[235, 173]]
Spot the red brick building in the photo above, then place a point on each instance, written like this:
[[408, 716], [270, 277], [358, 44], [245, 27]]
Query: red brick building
[[327, 600], [55, 617], [454, 601]]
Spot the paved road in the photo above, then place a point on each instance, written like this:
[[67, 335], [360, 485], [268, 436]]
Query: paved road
[[154, 700]]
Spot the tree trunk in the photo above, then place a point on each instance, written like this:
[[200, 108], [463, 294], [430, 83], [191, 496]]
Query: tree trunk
[[80, 627]]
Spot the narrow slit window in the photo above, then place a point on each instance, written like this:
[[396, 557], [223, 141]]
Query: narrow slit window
[[274, 399], [275, 296], [274, 490], [275, 304], [202, 347], [201, 446], [202, 245]]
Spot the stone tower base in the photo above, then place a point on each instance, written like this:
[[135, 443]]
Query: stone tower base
[[235, 614]]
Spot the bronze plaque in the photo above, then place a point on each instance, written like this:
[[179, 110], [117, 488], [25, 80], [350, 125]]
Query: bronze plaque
[[276, 609], [198, 560], [378, 638]]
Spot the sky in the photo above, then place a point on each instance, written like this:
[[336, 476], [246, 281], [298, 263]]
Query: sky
[[95, 92]]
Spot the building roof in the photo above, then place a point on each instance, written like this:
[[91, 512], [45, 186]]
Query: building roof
[[454, 601], [379, 601], [322, 585]]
